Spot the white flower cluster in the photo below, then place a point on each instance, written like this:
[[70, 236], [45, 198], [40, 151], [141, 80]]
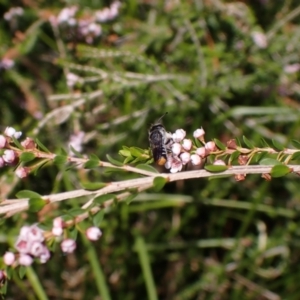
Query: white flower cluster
[[182, 150]]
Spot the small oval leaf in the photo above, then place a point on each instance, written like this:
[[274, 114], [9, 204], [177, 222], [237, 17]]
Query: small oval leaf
[[248, 143], [159, 183], [216, 168], [27, 156], [91, 164], [41, 145], [60, 160], [78, 154], [219, 144], [27, 194], [98, 218], [277, 145], [296, 156], [103, 198], [264, 143], [280, 170], [114, 161], [270, 162], [93, 186], [147, 168], [296, 144], [36, 204]]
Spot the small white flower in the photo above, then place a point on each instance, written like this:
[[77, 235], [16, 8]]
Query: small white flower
[[2, 141], [196, 159], [187, 144], [17, 134], [9, 131], [45, 255], [93, 233], [199, 133], [68, 245], [25, 260], [22, 172], [9, 156], [35, 234], [176, 148], [210, 146], [201, 152], [176, 165], [179, 135], [36, 249], [9, 258], [259, 39], [57, 231], [185, 157]]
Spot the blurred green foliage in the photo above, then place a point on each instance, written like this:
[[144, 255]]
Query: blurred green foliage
[[229, 66]]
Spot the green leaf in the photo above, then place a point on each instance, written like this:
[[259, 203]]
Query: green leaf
[[114, 161], [103, 198], [41, 145], [270, 162], [91, 164], [264, 143], [159, 183], [248, 143], [60, 160], [128, 159], [277, 145], [22, 271], [147, 168], [238, 142], [74, 212], [296, 156], [94, 157], [219, 144], [17, 143], [27, 194], [296, 144], [137, 152], [234, 156], [216, 168], [62, 151], [125, 153], [36, 204], [130, 198], [98, 217], [110, 170], [27, 156], [280, 170], [93, 186], [78, 154], [259, 156]]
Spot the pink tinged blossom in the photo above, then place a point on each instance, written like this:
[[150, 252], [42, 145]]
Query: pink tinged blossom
[[9, 156], [94, 28], [176, 148], [259, 39], [22, 172], [195, 159], [6, 63], [179, 135], [187, 144], [25, 260], [168, 163], [2, 141], [22, 245], [28, 143], [185, 157], [201, 152], [58, 222], [57, 231], [45, 256], [219, 162], [9, 131], [93, 233], [2, 162], [72, 79], [176, 165], [292, 68], [210, 147], [9, 258], [35, 234], [66, 14], [199, 133], [68, 245], [24, 231], [76, 141], [36, 249]]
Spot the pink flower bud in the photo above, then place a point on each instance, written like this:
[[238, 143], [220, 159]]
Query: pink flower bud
[[196, 159], [58, 222], [57, 231], [22, 172], [25, 260], [9, 131], [176, 148], [45, 255], [93, 233], [9, 156], [9, 258], [68, 245], [2, 141], [210, 146], [201, 152], [22, 245], [28, 143], [187, 144], [179, 135], [199, 133], [185, 157], [219, 162]]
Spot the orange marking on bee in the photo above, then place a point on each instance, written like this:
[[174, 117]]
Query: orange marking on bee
[[161, 161]]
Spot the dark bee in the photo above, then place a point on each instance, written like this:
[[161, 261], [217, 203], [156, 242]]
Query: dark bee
[[160, 142]]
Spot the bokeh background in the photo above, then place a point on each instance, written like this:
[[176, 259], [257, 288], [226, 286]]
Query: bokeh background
[[97, 74]]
